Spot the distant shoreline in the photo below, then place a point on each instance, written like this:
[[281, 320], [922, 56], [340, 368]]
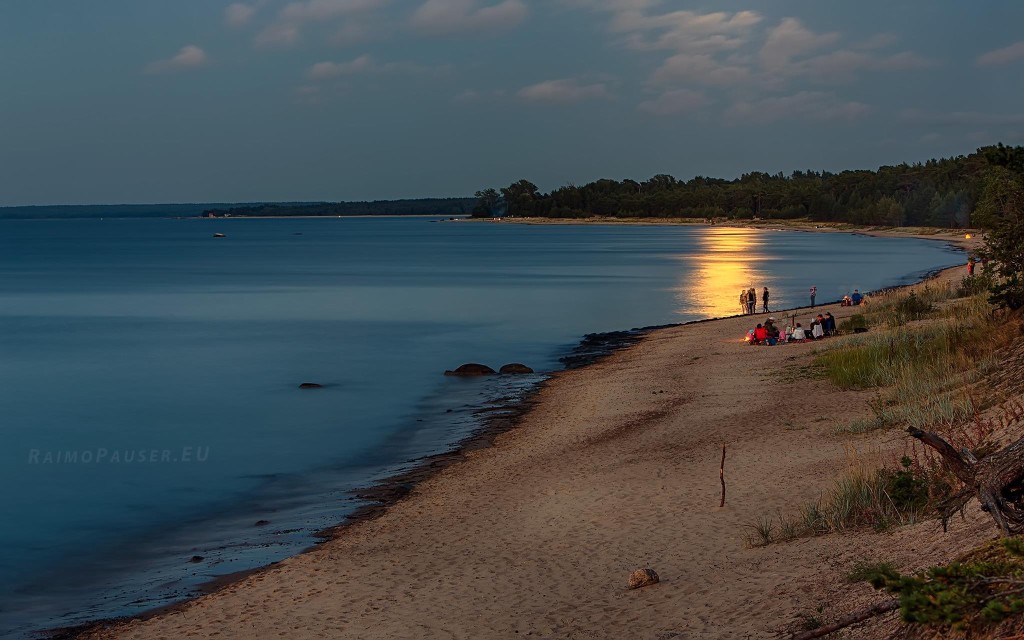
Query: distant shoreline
[[952, 236]]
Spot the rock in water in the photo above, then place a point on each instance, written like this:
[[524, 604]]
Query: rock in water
[[643, 578], [515, 368], [311, 385], [471, 369]]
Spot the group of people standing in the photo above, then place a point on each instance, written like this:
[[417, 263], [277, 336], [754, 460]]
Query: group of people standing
[[748, 300]]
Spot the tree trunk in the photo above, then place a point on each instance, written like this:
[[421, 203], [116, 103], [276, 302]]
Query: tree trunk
[[997, 480]]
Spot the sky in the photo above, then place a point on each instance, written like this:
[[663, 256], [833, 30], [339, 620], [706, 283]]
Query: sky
[[138, 101]]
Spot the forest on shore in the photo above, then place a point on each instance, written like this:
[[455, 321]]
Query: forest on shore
[[939, 193]]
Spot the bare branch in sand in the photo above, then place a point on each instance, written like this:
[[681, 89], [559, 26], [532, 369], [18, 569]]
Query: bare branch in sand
[[860, 615], [721, 476]]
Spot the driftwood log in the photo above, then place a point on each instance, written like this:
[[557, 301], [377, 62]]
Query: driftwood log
[[997, 480], [859, 615]]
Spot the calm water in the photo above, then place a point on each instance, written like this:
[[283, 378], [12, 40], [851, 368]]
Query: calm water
[[149, 372]]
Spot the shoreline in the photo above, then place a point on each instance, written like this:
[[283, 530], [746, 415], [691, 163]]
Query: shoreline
[[393, 491], [380, 496]]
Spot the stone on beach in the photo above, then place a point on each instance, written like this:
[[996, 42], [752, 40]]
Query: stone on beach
[[471, 369], [642, 578], [515, 368]]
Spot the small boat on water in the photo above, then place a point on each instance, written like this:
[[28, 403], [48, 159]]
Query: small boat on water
[[219, 235]]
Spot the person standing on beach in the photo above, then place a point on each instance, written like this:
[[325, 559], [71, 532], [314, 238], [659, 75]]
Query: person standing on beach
[[743, 300], [814, 292], [764, 301], [751, 300]]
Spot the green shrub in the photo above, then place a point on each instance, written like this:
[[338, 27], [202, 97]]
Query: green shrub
[[971, 594], [865, 570], [856, 321], [974, 285], [880, 499]]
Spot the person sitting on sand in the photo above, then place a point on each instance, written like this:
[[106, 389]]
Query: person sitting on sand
[[772, 331], [817, 331], [830, 324], [760, 334], [846, 302], [799, 333], [856, 298]]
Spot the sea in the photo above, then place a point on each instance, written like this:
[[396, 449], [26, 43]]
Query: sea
[[154, 433]]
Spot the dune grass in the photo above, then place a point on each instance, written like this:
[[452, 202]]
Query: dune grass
[[923, 355], [875, 498]]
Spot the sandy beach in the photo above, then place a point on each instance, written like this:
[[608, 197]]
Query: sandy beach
[[616, 467]]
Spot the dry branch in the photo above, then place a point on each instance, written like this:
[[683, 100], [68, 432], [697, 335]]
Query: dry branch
[[860, 615], [997, 480], [721, 476]]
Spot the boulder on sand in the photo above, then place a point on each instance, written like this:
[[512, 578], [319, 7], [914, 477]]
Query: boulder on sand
[[643, 578], [471, 369], [515, 368]]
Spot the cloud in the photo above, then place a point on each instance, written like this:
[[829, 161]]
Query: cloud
[[278, 35], [189, 57], [845, 64], [318, 10], [366, 64], [684, 30], [961, 118], [563, 91], [354, 32], [443, 17], [327, 70], [684, 68], [789, 40], [1006, 55], [238, 14], [815, 105], [286, 29], [675, 102]]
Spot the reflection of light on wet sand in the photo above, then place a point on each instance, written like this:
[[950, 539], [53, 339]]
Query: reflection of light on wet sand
[[726, 260]]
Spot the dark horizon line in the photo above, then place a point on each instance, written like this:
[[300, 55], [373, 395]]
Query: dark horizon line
[[229, 204]]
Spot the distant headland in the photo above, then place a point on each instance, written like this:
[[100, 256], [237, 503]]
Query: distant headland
[[416, 206]]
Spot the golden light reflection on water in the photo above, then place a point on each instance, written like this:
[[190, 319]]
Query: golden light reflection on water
[[726, 261]]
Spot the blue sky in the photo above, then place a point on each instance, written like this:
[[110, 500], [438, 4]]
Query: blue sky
[[203, 101]]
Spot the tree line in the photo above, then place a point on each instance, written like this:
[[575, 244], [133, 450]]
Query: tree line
[[939, 193]]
